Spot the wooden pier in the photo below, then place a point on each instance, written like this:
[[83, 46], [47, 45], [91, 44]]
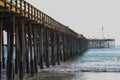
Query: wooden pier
[[32, 40], [101, 43]]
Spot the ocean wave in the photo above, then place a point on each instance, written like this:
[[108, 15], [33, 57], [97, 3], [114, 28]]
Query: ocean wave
[[76, 69]]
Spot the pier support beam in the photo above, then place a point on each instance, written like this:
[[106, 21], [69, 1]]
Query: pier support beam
[[3, 54], [53, 47], [58, 47], [46, 47], [64, 47], [17, 51], [41, 48], [61, 47], [35, 49], [0, 46], [10, 66], [27, 50], [31, 49], [22, 49]]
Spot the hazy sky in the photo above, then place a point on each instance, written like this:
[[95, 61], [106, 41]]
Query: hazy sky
[[85, 16]]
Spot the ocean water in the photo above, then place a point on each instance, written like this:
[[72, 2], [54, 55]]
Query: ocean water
[[99, 60], [93, 64]]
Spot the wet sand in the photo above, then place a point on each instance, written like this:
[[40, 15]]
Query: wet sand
[[55, 76], [77, 76]]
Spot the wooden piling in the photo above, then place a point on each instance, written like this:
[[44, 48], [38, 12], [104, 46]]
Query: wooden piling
[[27, 51], [17, 51], [58, 48], [53, 47], [61, 45], [35, 49], [31, 50], [70, 46], [37, 46], [41, 48], [47, 48], [22, 49], [8, 48], [3, 54], [0, 46], [10, 75], [64, 46]]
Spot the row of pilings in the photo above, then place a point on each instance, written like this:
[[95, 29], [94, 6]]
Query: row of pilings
[[30, 45], [31, 40], [101, 43]]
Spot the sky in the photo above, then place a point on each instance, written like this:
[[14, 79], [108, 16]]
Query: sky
[[85, 17]]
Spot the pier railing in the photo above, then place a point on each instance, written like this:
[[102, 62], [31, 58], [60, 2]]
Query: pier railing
[[25, 9]]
